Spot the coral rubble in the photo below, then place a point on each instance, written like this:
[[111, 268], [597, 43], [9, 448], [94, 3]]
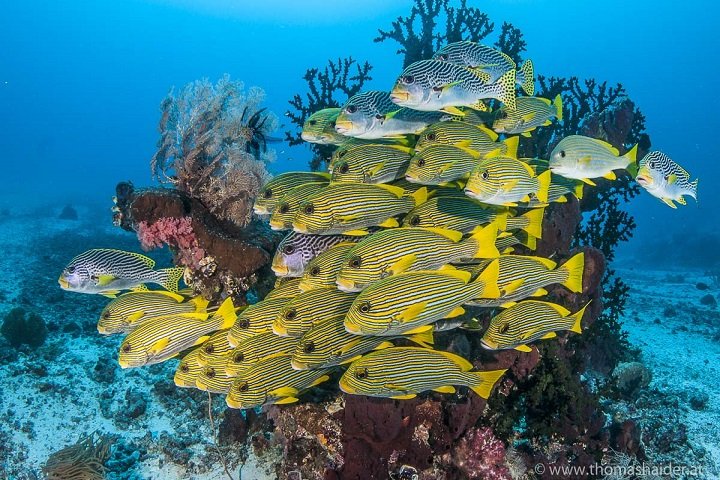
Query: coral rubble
[[20, 327]]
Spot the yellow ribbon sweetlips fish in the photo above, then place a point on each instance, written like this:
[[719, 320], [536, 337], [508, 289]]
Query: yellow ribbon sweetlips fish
[[506, 181], [106, 271], [328, 344], [255, 319], [322, 270], [521, 277], [320, 128], [213, 376], [286, 207], [478, 138], [585, 158], [251, 350], [217, 344], [530, 113], [349, 208], [163, 338], [404, 372], [665, 179], [287, 289], [397, 250], [441, 164], [310, 308], [188, 370], [528, 321], [506, 244], [408, 303], [129, 310], [297, 249], [374, 163], [278, 186], [272, 381]]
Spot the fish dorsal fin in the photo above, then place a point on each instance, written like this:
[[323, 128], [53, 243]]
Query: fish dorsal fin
[[558, 308], [528, 168], [546, 101], [464, 364], [469, 151], [480, 73], [397, 191], [490, 133], [550, 264], [607, 145], [452, 235], [173, 295], [146, 260], [462, 275]]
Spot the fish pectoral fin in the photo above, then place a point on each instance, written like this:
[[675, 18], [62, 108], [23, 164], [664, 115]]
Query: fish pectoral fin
[[450, 85], [523, 348], [445, 389], [286, 400], [456, 312], [672, 178], [669, 202], [103, 280], [586, 160], [453, 111], [356, 233], [412, 311], [347, 218], [376, 169], [549, 335], [510, 184], [610, 175], [402, 264], [390, 223], [158, 346], [589, 182]]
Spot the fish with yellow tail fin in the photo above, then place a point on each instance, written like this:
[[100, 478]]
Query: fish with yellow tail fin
[[188, 370], [374, 163], [475, 137], [255, 319], [320, 128], [488, 60], [397, 250], [506, 244], [432, 85], [163, 338], [285, 290], [272, 381], [521, 277], [107, 271], [310, 308], [408, 303], [217, 344], [278, 186], [257, 348], [440, 164], [350, 208], [328, 344], [665, 179], [213, 377], [404, 372], [286, 208], [126, 312], [322, 270], [585, 158], [297, 249], [506, 181], [372, 115], [531, 112], [528, 321]]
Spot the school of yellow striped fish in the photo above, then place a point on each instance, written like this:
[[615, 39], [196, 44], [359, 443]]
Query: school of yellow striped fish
[[424, 211]]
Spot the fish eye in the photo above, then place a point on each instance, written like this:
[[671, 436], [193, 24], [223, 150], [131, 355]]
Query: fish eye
[[361, 373], [126, 348], [238, 357], [531, 195], [315, 271], [267, 193], [244, 387], [209, 348], [365, 307], [290, 314], [420, 162], [651, 164], [184, 368], [106, 315], [503, 114], [485, 175], [343, 168], [431, 137], [309, 209], [415, 220], [379, 116], [408, 79], [351, 108], [309, 347], [244, 323], [312, 122], [210, 372], [562, 153], [355, 262], [284, 208], [504, 328], [288, 249], [341, 153], [70, 270]]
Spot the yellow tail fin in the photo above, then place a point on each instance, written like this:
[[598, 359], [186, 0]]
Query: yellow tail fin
[[557, 102], [200, 303], [535, 220], [505, 89], [512, 146], [631, 156], [489, 279], [577, 326], [483, 382], [171, 277], [544, 186], [526, 77], [226, 312], [574, 268], [484, 241]]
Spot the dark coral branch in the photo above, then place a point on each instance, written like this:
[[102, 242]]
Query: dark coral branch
[[511, 42]]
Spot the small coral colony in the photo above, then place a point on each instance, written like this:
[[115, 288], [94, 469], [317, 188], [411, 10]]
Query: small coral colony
[[417, 216]]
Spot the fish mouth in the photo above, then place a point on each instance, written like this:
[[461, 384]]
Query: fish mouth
[[304, 286], [644, 179], [399, 96], [346, 285], [297, 365], [344, 386], [343, 127], [411, 179], [299, 227], [260, 210], [123, 363], [309, 138], [281, 270], [488, 344], [230, 402], [352, 328], [64, 284], [276, 225], [102, 330]]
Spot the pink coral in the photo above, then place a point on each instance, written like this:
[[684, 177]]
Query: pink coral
[[175, 232], [482, 455]]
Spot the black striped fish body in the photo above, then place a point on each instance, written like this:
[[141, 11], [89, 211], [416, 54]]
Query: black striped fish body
[[441, 164], [585, 158], [375, 163], [404, 372], [475, 137], [488, 60], [350, 208], [213, 377], [286, 208], [188, 370], [310, 308], [322, 270], [521, 277], [530, 113], [528, 321], [126, 312], [286, 289], [320, 128], [351, 143], [408, 303], [397, 250], [328, 344], [506, 244], [278, 186], [297, 249], [272, 381], [107, 271], [506, 181], [254, 349], [217, 344], [255, 319], [432, 85], [163, 338], [665, 179]]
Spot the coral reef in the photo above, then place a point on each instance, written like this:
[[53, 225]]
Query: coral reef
[[21, 327], [83, 460], [68, 213], [481, 455]]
